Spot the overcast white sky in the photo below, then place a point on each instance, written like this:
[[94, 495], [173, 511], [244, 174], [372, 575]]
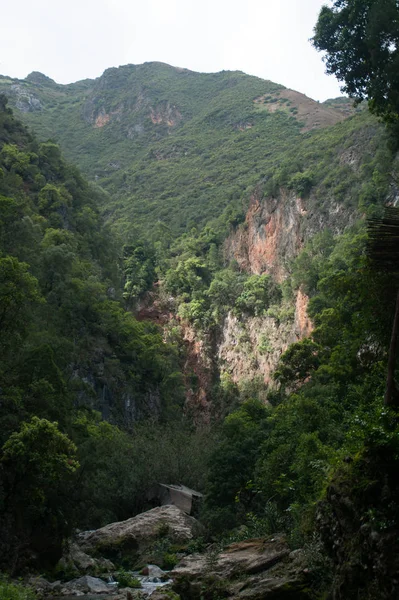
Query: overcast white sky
[[70, 40]]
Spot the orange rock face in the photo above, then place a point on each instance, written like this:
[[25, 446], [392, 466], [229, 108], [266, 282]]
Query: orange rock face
[[101, 119], [271, 234], [165, 113]]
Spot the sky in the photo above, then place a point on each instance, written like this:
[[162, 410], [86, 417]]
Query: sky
[[70, 40]]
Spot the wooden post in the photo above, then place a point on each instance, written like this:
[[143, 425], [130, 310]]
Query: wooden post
[[389, 396]]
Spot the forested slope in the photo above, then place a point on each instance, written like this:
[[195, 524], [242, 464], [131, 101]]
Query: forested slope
[[67, 347], [170, 144]]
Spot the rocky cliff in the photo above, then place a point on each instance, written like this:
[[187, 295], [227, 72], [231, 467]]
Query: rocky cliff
[[276, 228], [274, 232]]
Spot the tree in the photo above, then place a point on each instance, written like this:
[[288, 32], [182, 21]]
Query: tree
[[18, 290], [38, 463], [298, 362], [230, 493], [361, 41]]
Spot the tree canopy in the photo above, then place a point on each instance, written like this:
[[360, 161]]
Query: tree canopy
[[360, 38]]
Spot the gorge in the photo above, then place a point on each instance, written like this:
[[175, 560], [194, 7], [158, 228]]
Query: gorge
[[194, 303]]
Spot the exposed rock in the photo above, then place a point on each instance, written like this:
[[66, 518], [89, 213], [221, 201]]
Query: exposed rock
[[200, 366], [25, 100], [43, 587], [313, 115], [350, 157], [252, 347], [76, 560], [128, 594], [276, 228], [154, 571], [254, 569], [151, 308], [132, 537], [271, 235], [165, 113], [101, 119], [84, 585]]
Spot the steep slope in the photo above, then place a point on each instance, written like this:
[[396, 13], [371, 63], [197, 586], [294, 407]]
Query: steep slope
[[167, 143], [257, 168], [66, 340]]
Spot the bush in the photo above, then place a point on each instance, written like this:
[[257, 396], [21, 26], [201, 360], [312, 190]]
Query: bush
[[259, 292], [126, 579], [12, 591]]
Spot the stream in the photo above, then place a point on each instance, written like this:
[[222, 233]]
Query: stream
[[149, 583]]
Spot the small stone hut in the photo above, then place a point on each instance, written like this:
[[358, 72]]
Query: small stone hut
[[179, 495]]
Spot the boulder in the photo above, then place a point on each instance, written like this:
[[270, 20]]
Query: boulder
[[129, 539], [75, 561], [250, 556], [85, 585], [154, 571], [252, 570], [42, 587]]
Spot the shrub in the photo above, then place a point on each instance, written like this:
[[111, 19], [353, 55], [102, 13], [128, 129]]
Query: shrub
[[126, 579], [13, 591]]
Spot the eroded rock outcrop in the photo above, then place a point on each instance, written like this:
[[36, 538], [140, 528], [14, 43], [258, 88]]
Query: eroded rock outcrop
[[277, 227], [254, 569], [199, 369], [131, 538], [271, 234], [84, 585], [74, 560]]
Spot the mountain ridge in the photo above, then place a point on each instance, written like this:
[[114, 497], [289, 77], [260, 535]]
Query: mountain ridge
[[169, 142]]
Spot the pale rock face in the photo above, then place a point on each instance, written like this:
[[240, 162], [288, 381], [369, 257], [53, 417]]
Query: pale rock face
[[85, 585], [25, 101], [274, 232], [140, 531], [252, 347]]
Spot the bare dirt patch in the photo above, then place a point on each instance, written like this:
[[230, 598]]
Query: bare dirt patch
[[307, 111]]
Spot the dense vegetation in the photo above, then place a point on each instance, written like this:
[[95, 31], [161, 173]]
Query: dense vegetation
[[360, 41], [171, 146], [105, 392], [68, 347]]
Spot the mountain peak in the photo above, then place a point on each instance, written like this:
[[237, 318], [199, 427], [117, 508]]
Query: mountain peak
[[39, 78]]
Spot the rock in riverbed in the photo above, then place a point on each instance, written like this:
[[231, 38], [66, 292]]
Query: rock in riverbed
[[75, 561], [85, 585], [252, 570], [133, 536]]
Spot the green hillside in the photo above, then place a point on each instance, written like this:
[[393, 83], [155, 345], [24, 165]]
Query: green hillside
[[69, 351], [169, 144]]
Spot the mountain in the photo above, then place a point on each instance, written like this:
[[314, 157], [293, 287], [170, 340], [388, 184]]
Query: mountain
[[169, 144], [228, 317], [201, 172]]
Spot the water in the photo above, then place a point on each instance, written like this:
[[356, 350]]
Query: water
[[155, 579], [149, 583]]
